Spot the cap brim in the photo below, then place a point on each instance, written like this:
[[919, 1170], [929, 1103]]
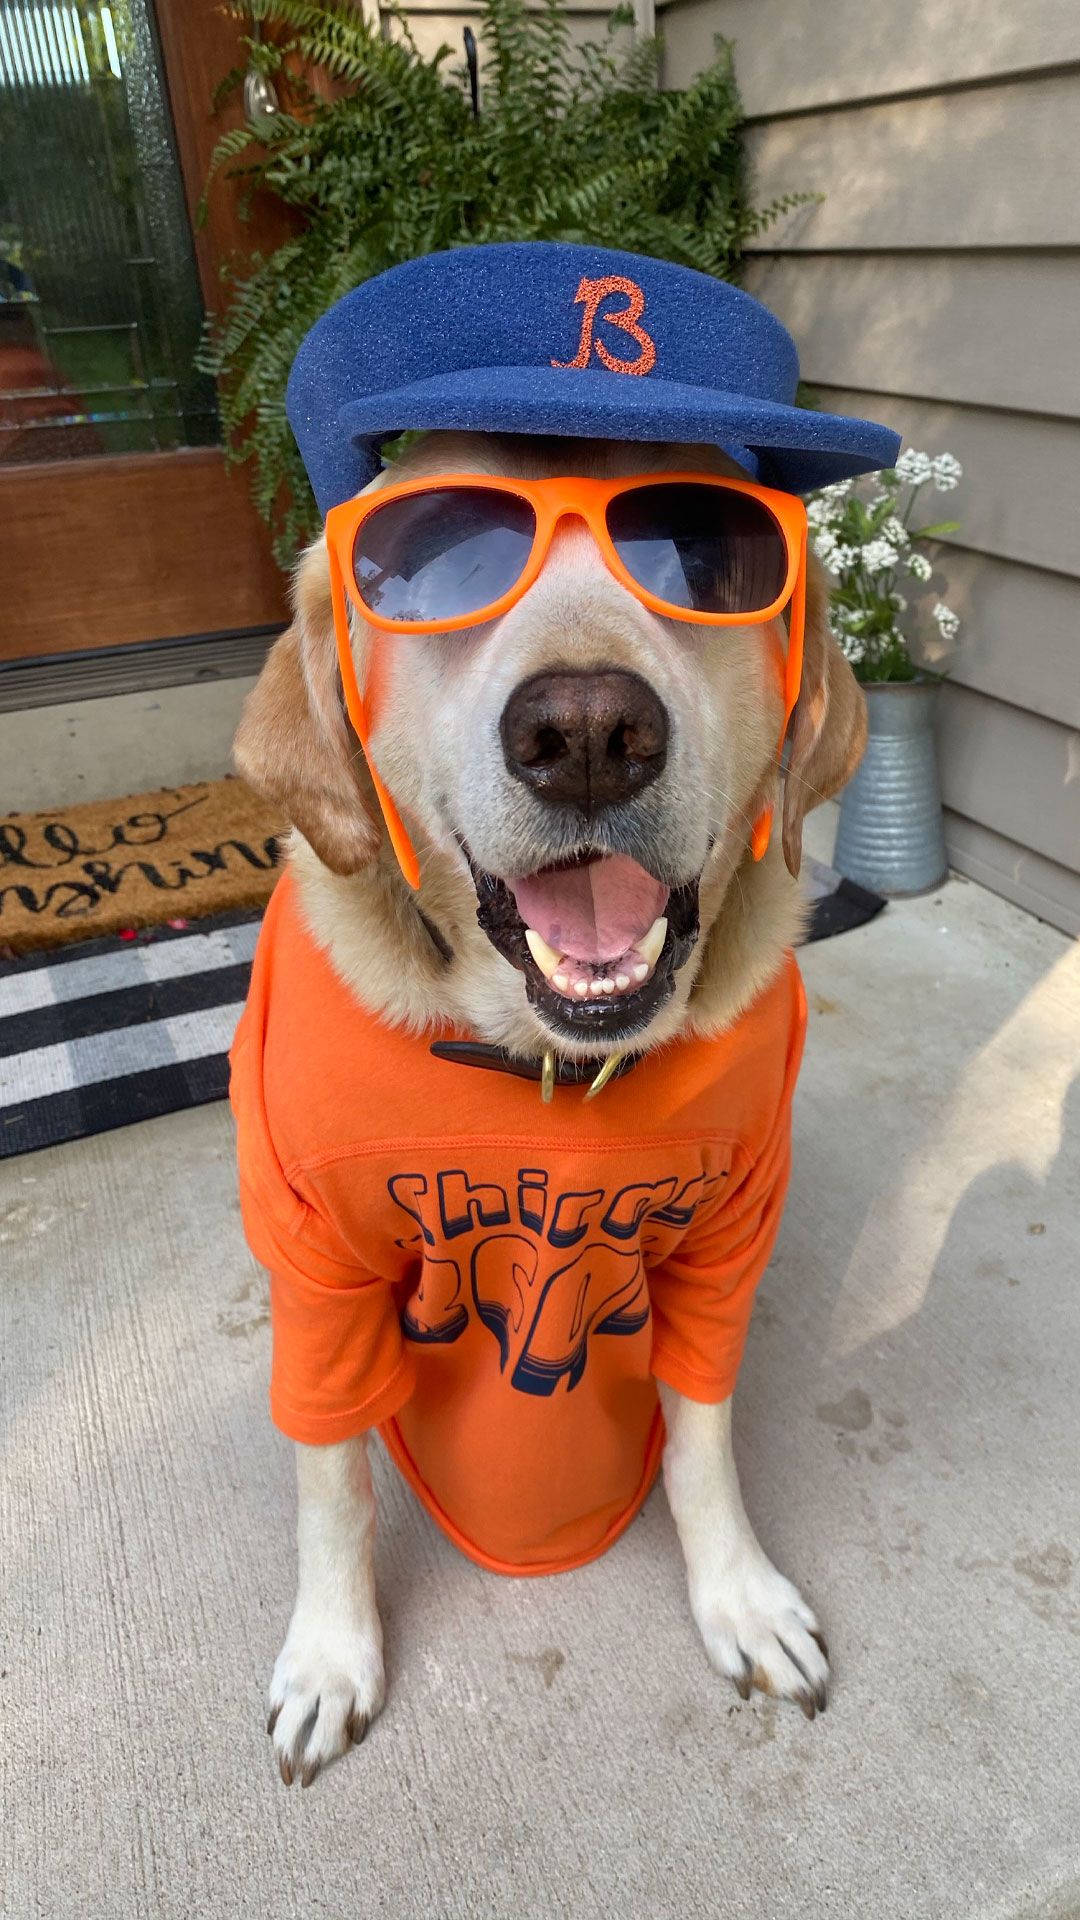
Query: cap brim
[[794, 448]]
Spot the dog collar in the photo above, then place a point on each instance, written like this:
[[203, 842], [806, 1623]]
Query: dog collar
[[549, 1072]]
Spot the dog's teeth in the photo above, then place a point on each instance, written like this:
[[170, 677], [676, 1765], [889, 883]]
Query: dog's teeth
[[597, 988], [608, 986], [652, 946], [581, 988], [641, 971], [546, 958], [622, 981], [561, 981]]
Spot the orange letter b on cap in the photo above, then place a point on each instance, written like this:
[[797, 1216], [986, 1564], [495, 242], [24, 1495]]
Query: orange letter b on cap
[[590, 293]]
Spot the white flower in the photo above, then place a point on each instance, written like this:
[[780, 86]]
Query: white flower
[[895, 530], [842, 558], [947, 471], [878, 556], [948, 622], [919, 565], [852, 648], [898, 602], [824, 513], [839, 490], [824, 543], [914, 467]]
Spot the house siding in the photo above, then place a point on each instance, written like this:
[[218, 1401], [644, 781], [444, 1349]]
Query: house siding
[[434, 24], [937, 288]]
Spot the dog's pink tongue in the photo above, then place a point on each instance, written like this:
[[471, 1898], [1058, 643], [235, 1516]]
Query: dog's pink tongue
[[593, 912]]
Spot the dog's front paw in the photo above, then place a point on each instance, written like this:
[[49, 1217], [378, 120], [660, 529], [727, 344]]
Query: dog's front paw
[[326, 1689], [758, 1630]]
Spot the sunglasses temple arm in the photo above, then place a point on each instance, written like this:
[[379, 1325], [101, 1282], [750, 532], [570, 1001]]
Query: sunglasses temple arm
[[399, 839], [759, 839]]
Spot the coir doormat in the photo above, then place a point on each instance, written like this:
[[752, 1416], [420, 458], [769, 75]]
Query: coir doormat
[[152, 859]]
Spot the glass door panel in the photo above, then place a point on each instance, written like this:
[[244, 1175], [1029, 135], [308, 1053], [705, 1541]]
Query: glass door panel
[[100, 308]]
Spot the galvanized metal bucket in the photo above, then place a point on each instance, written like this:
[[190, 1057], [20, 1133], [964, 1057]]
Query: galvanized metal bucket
[[891, 836]]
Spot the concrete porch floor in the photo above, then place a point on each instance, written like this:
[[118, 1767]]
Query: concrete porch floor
[[909, 1434]]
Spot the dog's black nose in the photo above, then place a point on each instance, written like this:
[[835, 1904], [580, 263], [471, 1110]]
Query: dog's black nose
[[585, 740]]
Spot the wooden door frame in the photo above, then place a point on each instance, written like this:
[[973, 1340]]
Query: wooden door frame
[[201, 41], [151, 546], [112, 550]]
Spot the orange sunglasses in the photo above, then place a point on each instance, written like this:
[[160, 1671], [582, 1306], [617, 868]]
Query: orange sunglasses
[[455, 550]]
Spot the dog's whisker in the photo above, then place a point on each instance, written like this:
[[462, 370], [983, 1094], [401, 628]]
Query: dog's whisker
[[800, 778]]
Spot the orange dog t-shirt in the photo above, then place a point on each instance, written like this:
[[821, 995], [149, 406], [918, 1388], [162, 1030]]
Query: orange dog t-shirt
[[496, 1284]]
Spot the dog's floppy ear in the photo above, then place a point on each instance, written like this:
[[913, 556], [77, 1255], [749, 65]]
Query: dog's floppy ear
[[828, 726], [294, 745]]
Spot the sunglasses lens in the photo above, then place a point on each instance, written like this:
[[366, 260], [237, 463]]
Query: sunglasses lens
[[443, 554], [702, 548]]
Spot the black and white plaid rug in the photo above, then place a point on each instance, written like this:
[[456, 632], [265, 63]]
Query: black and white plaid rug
[[97, 1035]]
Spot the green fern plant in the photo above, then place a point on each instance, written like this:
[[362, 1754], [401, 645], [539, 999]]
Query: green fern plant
[[572, 143]]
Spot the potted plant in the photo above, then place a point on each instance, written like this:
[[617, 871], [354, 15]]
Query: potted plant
[[891, 836], [397, 153]]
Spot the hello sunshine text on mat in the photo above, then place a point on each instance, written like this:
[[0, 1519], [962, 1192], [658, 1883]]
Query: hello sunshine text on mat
[[176, 854]]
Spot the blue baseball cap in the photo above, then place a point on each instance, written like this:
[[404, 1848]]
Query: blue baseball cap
[[539, 337]]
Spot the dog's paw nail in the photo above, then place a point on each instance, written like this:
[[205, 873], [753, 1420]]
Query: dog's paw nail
[[816, 1688], [285, 1768], [358, 1725], [310, 1769], [744, 1681], [806, 1703]]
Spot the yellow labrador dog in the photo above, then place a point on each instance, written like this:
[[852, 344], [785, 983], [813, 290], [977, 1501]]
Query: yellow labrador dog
[[453, 760]]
